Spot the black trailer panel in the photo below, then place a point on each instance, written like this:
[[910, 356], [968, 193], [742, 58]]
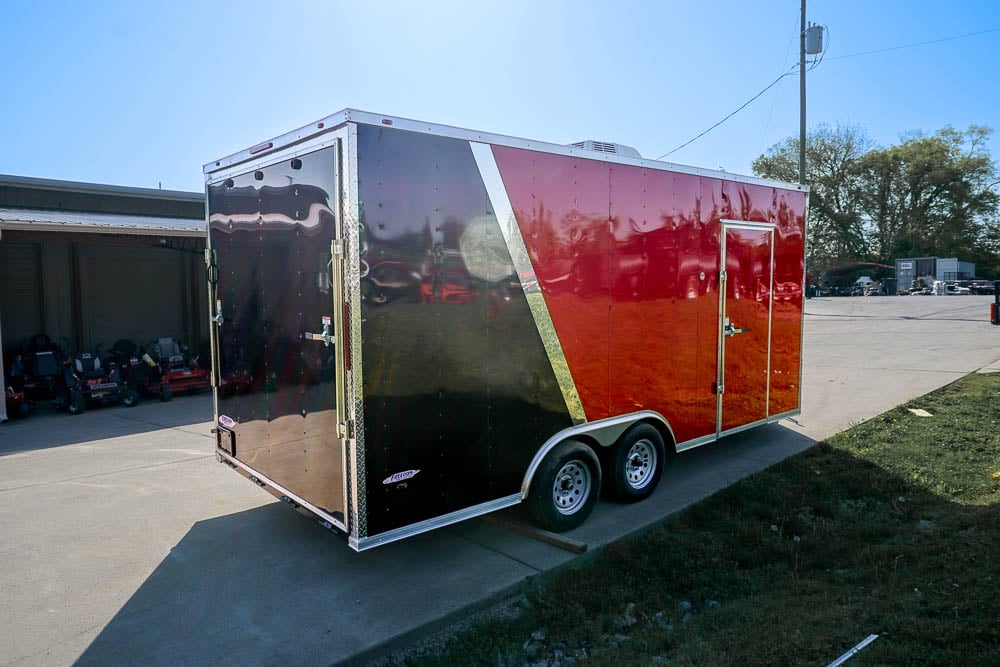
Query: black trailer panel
[[458, 391], [271, 232], [447, 393]]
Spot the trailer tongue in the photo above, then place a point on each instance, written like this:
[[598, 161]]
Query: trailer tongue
[[429, 323]]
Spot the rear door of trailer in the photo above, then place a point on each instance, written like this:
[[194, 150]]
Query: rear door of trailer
[[275, 236]]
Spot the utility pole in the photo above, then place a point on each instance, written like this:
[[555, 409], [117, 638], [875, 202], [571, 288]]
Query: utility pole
[[802, 98]]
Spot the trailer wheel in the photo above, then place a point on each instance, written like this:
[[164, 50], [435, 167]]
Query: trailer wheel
[[565, 487], [637, 463], [130, 397], [77, 403], [166, 392]]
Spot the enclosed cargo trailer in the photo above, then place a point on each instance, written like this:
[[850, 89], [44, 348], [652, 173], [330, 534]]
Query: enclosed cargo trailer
[[415, 324]]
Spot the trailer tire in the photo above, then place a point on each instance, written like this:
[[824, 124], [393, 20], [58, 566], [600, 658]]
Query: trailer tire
[[166, 393], [565, 487], [637, 463]]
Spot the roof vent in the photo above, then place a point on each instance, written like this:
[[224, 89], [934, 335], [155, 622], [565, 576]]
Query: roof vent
[[607, 147]]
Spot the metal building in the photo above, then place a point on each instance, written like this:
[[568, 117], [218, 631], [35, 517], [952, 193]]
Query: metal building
[[932, 268], [88, 264]]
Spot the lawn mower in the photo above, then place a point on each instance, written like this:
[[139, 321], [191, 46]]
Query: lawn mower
[[36, 373], [17, 403], [89, 380], [163, 369]]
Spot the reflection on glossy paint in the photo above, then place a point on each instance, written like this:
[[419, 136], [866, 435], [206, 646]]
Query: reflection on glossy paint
[[747, 311], [457, 384], [627, 259], [271, 237]]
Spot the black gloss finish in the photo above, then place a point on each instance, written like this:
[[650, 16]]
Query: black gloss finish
[[271, 238], [457, 384]]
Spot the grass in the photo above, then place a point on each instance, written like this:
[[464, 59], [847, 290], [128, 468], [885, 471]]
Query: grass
[[888, 528]]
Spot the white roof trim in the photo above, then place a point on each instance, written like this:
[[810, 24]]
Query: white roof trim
[[98, 223], [308, 135]]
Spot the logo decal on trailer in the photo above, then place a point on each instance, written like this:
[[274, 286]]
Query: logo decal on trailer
[[226, 421], [400, 476]]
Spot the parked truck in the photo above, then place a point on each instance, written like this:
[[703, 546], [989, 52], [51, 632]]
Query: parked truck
[[435, 323]]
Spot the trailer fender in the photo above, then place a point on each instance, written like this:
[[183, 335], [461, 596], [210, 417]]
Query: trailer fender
[[598, 434]]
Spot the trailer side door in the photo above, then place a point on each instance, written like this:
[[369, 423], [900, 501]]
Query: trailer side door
[[745, 323]]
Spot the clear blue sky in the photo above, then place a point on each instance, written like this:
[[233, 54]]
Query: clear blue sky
[[144, 93]]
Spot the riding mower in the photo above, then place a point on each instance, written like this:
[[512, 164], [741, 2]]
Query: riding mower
[[235, 374], [36, 371], [14, 397], [87, 380], [163, 369], [17, 403]]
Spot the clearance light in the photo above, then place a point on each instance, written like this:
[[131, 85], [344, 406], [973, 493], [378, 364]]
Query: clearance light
[[386, 121], [261, 147]]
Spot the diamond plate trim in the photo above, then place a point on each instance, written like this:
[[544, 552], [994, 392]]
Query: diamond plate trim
[[355, 442], [504, 213]]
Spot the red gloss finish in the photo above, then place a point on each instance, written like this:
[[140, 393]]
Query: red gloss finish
[[748, 299], [785, 209], [561, 206], [664, 312], [786, 318], [628, 261]]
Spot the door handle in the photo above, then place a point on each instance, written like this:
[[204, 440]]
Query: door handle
[[731, 329], [326, 337]]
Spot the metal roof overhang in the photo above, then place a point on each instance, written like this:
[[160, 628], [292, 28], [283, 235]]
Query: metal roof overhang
[[98, 223]]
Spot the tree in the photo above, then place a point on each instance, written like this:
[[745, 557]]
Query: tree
[[932, 196], [833, 155], [927, 196]]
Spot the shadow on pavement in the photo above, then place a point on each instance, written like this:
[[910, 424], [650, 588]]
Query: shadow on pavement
[[267, 586], [48, 427]]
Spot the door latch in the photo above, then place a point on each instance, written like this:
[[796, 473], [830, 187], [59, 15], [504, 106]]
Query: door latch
[[730, 329], [326, 337], [217, 318]]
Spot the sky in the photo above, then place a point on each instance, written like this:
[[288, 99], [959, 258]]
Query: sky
[[145, 93]]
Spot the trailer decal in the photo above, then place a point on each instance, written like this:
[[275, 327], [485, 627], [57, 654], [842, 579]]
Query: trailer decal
[[400, 476], [526, 275]]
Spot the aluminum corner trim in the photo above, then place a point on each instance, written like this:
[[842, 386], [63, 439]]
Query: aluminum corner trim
[[364, 543], [504, 213]]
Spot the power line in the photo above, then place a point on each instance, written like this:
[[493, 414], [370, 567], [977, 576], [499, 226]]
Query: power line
[[742, 107], [910, 46], [813, 65], [784, 62]]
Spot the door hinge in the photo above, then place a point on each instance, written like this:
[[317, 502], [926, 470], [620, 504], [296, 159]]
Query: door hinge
[[338, 247], [722, 276], [345, 430], [718, 388]]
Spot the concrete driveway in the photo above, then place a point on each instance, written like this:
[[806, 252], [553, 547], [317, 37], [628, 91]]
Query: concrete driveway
[[123, 541]]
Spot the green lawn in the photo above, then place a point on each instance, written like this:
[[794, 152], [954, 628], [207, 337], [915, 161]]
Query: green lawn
[[889, 528]]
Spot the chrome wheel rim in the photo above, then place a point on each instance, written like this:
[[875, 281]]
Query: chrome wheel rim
[[640, 463], [571, 487]]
